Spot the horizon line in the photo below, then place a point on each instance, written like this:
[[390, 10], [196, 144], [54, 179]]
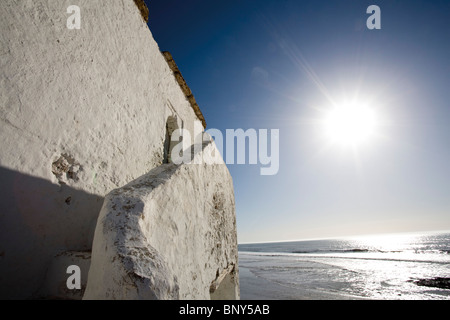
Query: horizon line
[[349, 236]]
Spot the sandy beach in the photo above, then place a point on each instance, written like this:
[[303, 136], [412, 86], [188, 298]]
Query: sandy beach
[[257, 288]]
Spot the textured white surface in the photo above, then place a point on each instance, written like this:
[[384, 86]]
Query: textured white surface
[[97, 99], [55, 284], [170, 234]]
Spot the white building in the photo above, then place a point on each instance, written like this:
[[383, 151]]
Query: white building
[[87, 111]]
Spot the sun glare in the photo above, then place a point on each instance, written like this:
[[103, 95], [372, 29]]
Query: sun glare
[[350, 125]]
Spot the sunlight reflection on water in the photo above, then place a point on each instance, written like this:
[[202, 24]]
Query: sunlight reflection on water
[[381, 267]]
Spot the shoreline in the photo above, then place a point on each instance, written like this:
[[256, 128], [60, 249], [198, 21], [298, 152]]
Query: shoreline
[[253, 287]]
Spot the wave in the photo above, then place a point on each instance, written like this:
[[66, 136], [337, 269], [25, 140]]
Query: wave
[[321, 255], [355, 250], [364, 250]]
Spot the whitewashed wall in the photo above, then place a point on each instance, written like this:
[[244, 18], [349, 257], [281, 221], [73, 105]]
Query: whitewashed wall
[[170, 234], [82, 112]]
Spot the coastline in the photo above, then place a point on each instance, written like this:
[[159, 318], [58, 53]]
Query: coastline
[[256, 288], [401, 267]]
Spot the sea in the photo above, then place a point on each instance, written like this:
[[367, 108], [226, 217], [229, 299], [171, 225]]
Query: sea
[[393, 267]]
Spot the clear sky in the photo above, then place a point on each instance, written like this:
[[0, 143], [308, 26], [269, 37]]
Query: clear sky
[[283, 65]]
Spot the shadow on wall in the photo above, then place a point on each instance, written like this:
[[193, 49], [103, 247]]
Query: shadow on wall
[[171, 126], [38, 220]]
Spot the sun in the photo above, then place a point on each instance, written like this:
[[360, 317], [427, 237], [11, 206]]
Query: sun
[[350, 125]]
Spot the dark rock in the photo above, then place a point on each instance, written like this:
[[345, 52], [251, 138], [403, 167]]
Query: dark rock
[[442, 283]]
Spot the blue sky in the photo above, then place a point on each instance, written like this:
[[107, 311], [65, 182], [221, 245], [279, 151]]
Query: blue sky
[[277, 64]]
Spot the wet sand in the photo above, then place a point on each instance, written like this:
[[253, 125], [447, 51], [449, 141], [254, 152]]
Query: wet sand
[[257, 288]]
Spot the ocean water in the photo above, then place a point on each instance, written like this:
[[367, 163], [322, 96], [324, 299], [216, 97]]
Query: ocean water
[[373, 267]]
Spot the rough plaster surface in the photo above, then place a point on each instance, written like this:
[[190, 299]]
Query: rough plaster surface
[[56, 278], [170, 234], [82, 112]]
